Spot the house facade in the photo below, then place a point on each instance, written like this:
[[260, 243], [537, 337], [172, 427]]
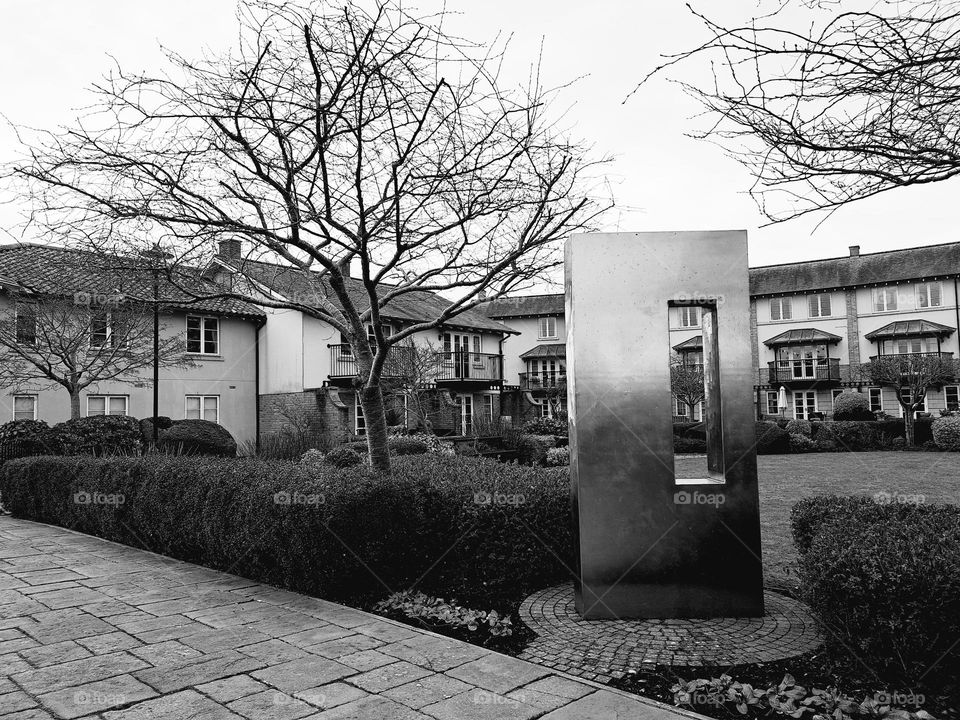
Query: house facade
[[220, 338], [813, 327]]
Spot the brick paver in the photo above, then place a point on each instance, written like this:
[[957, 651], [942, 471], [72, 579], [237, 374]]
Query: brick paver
[[91, 629], [601, 650]]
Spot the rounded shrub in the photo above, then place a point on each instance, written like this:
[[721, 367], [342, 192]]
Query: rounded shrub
[[95, 435], [856, 435], [946, 433], [546, 426], [800, 443], [799, 427], [197, 437], [852, 406], [343, 456], [825, 440], [532, 449], [146, 427], [772, 439], [22, 438]]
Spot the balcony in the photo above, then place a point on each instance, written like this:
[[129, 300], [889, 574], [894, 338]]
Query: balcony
[[418, 365], [804, 372], [543, 381], [928, 363], [945, 356]]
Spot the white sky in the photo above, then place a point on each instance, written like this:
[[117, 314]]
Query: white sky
[[52, 50]]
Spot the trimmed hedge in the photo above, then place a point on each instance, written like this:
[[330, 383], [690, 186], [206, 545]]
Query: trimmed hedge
[[799, 427], [885, 578], [474, 528], [343, 457], [946, 433], [772, 439], [398, 445], [94, 435], [852, 406], [197, 437], [532, 449]]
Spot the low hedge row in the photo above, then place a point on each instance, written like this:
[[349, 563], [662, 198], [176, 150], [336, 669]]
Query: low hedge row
[[482, 530], [885, 579]]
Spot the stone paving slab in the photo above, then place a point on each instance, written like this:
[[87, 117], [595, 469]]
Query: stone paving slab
[[97, 631]]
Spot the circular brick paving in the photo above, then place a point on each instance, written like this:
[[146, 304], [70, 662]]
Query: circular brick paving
[[605, 649]]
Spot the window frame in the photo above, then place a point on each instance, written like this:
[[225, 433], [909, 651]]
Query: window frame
[[806, 408], [36, 406], [885, 292], [955, 393], [547, 320], [690, 311], [927, 285], [203, 328], [782, 304], [775, 396], [106, 405], [18, 314], [926, 398], [487, 407], [202, 398], [817, 300], [879, 392]]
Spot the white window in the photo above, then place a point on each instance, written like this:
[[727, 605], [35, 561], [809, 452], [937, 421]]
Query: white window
[[907, 346], [466, 413], [203, 407], [548, 328], [106, 405], [773, 406], [689, 316], [884, 299], [804, 403], [928, 294], [25, 407], [819, 305], [478, 351], [781, 309], [203, 335], [372, 338], [951, 394], [107, 331], [360, 423], [876, 399], [488, 407]]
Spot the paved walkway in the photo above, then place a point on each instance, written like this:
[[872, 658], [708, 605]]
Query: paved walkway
[[93, 629]]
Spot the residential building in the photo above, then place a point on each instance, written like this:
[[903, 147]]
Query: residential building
[[814, 325], [220, 339]]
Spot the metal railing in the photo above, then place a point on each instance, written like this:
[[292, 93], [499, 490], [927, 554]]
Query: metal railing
[[543, 380], [803, 369]]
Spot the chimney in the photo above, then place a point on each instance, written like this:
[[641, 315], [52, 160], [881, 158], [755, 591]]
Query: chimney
[[230, 250], [854, 251]]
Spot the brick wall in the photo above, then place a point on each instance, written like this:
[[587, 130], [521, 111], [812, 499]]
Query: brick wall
[[853, 328]]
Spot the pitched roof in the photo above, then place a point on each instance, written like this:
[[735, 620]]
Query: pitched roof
[[690, 344], [802, 336], [312, 289], [546, 350], [62, 272], [868, 269], [879, 268], [525, 306], [909, 328]]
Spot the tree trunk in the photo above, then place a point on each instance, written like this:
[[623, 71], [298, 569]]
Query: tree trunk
[[909, 423], [375, 419], [74, 404]]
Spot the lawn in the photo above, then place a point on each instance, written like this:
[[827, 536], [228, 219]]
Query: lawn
[[784, 479]]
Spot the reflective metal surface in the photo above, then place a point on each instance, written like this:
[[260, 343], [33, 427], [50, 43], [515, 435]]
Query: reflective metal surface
[[648, 546]]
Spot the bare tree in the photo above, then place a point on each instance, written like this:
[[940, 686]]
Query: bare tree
[[911, 376], [414, 369], [827, 103], [48, 342], [686, 383], [332, 138]]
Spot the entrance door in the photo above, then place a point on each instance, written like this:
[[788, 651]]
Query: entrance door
[[804, 403]]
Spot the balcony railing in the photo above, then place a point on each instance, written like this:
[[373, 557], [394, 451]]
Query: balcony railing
[[946, 356], [543, 380], [422, 366], [803, 370]]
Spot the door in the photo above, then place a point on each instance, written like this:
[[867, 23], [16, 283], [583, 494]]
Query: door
[[466, 414], [804, 403]]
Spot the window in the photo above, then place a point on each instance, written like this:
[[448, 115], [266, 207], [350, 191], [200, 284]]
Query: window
[[372, 339], [906, 346], [548, 328], [360, 423], [876, 399], [884, 299], [25, 407], [834, 393], [203, 407], [488, 407], [951, 394], [804, 403], [345, 349], [772, 403], [26, 324], [689, 316], [820, 305], [781, 309], [681, 408], [466, 413], [203, 335], [459, 344], [928, 294], [106, 405]]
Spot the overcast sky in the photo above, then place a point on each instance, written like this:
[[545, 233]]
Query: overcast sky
[[52, 50]]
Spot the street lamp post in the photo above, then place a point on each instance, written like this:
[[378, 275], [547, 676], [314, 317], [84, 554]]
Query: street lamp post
[[156, 256]]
